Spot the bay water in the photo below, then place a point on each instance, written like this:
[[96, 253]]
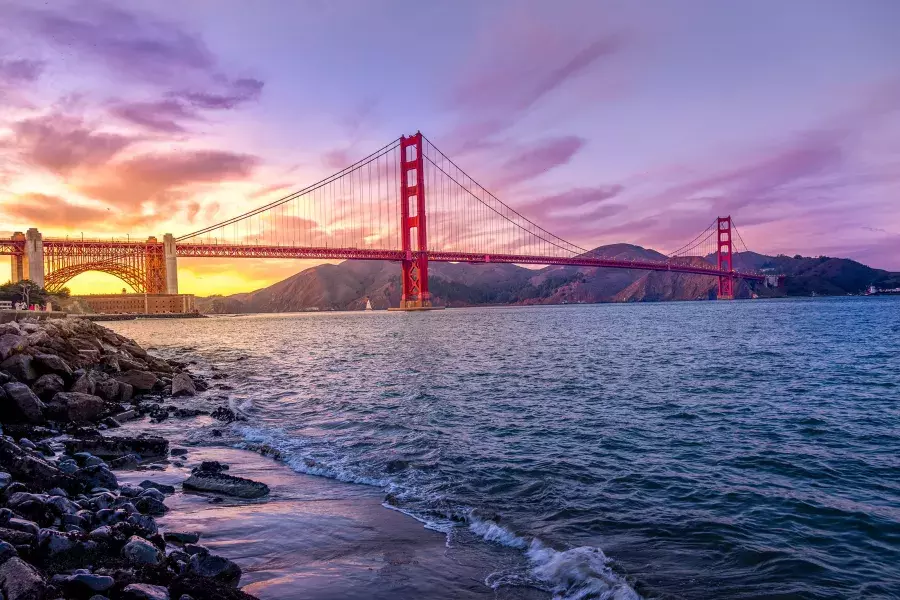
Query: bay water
[[746, 449]]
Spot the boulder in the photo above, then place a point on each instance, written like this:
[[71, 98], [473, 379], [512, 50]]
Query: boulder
[[229, 485], [152, 485], [11, 343], [215, 567], [21, 581], [50, 363], [151, 506], [7, 551], [107, 388], [139, 380], [48, 386], [16, 537], [19, 404], [146, 446], [85, 384], [97, 476], [19, 366], [24, 466], [145, 591], [200, 588], [183, 385], [181, 537], [85, 583], [76, 406], [139, 551]]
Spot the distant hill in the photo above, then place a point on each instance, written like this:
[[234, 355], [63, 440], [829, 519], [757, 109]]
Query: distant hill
[[346, 286]]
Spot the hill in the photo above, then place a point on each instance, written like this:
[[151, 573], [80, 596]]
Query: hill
[[346, 286]]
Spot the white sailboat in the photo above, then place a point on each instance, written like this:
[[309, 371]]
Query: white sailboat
[[369, 304]]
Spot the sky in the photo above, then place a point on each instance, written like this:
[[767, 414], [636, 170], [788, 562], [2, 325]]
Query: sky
[[136, 119]]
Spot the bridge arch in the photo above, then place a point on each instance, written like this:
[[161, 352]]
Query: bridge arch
[[135, 278]]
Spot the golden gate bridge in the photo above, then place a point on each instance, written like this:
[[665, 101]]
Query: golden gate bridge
[[406, 202]]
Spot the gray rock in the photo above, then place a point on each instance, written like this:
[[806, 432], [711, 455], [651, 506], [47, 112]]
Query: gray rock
[[139, 551], [97, 476], [145, 523], [5, 480], [76, 406], [152, 492], [147, 446], [162, 487], [19, 366], [145, 591], [139, 380], [107, 388], [127, 462], [18, 404], [102, 533], [85, 384], [15, 537], [21, 581], [48, 386], [50, 363], [11, 343], [54, 542], [229, 485], [215, 567], [27, 467], [182, 537], [7, 551], [151, 506], [183, 385], [89, 582], [126, 391]]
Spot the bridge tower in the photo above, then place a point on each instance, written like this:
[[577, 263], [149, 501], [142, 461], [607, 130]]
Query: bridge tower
[[724, 254], [414, 280], [34, 256]]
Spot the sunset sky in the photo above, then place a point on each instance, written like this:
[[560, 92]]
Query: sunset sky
[[139, 118]]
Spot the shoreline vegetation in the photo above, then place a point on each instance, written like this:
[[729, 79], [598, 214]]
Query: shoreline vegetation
[[68, 527]]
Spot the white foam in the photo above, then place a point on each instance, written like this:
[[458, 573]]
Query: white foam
[[575, 574]]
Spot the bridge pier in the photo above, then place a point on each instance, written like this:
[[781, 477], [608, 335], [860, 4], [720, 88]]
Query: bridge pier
[[17, 261], [171, 263], [34, 256]]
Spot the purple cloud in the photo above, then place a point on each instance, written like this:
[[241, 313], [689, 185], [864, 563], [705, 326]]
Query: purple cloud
[[62, 144], [538, 159], [20, 70], [235, 93], [160, 116]]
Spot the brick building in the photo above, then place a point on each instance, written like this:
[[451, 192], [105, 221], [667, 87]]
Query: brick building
[[152, 304]]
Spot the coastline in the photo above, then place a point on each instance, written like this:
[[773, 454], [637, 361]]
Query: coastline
[[307, 536]]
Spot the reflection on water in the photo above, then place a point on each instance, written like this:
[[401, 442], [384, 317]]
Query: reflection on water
[[697, 450]]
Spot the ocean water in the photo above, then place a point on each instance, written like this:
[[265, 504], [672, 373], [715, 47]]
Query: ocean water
[[746, 449]]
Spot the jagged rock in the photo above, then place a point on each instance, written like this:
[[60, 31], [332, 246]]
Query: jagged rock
[[125, 463], [229, 485], [16, 537], [152, 485], [97, 476], [50, 363], [7, 551], [141, 552], [19, 404], [151, 506], [199, 588], [107, 388], [226, 415], [181, 537], [27, 467], [11, 343], [210, 466], [19, 366], [183, 385], [21, 581], [215, 567], [76, 406], [146, 446], [178, 451], [130, 364], [126, 391], [183, 413], [145, 591], [139, 380], [48, 386], [5, 480], [85, 384], [85, 583]]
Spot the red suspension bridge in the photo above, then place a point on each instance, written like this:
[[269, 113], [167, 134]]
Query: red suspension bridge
[[407, 202]]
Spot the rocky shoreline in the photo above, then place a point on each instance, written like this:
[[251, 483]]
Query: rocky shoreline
[[68, 529]]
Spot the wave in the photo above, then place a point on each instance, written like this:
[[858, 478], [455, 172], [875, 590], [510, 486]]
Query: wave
[[580, 573]]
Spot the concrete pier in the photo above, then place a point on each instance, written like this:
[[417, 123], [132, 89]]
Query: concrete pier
[[171, 264], [34, 256], [16, 261]]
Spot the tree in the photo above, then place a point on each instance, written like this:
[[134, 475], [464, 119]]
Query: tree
[[29, 292]]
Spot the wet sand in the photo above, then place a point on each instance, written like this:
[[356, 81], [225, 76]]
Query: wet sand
[[314, 537]]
